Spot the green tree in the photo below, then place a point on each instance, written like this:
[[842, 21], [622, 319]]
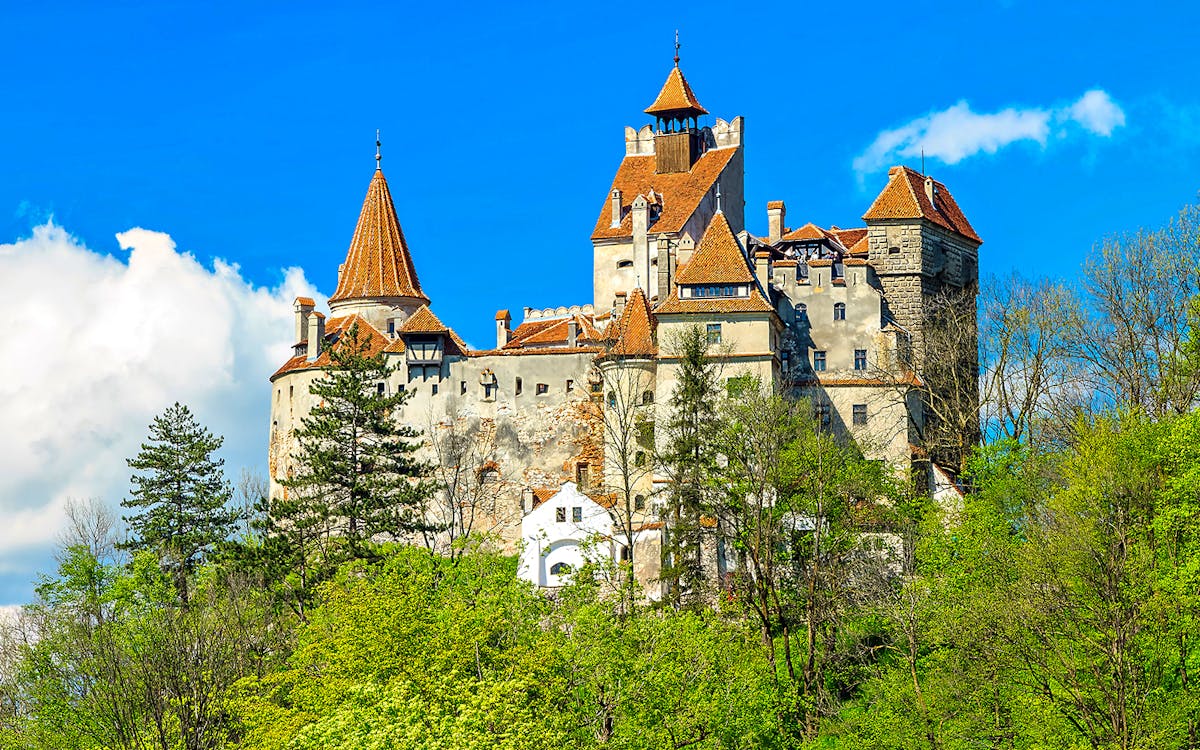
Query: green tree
[[180, 495], [357, 476], [688, 459]]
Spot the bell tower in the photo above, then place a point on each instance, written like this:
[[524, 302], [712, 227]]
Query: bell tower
[[677, 140]]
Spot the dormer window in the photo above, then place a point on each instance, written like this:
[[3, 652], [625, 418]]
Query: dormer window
[[714, 291]]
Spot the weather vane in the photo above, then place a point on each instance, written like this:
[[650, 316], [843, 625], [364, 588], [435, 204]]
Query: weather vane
[[677, 48], [378, 144]]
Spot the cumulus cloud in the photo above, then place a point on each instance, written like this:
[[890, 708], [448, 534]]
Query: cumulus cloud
[[959, 132], [94, 346]]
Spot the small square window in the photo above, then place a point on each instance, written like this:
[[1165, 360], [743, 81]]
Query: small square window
[[860, 359], [714, 333], [560, 515], [860, 414], [647, 397], [570, 385], [381, 388], [462, 387], [639, 502], [839, 311], [542, 388], [576, 514], [819, 360], [435, 389]]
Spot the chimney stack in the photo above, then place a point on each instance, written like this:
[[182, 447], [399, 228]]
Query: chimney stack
[[641, 243], [304, 307], [930, 191], [776, 214], [502, 332], [616, 207], [619, 304], [762, 270], [316, 335], [572, 332], [664, 266]]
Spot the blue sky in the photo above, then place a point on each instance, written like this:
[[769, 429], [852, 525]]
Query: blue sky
[[247, 135]]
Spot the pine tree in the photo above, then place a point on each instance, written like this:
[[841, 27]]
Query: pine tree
[[180, 493], [688, 459], [357, 476]]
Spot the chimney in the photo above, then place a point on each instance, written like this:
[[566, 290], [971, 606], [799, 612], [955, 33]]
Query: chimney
[[930, 191], [616, 207], [776, 214], [641, 245], [762, 269], [619, 304], [572, 332], [526, 500], [664, 266], [502, 332], [316, 335], [304, 307]]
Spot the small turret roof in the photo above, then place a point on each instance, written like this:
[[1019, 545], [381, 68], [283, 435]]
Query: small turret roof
[[904, 197], [378, 263], [635, 330], [676, 98]]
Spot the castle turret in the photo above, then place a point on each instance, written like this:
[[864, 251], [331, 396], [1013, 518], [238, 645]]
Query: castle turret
[[378, 280]]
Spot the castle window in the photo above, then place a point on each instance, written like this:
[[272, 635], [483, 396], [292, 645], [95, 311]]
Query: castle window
[[489, 391], [581, 476], [291, 391], [542, 389], [560, 569], [626, 556], [714, 333], [625, 264], [517, 388], [860, 414], [640, 459], [381, 388], [801, 311], [647, 397], [570, 385], [576, 515], [612, 399], [860, 359], [639, 502], [894, 250], [560, 515], [819, 360], [462, 387], [785, 360], [839, 311], [435, 389]]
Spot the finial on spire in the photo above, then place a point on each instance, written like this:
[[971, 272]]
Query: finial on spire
[[677, 48], [718, 197], [378, 156]]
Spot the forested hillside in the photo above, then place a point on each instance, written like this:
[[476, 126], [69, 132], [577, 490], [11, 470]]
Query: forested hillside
[[1056, 606]]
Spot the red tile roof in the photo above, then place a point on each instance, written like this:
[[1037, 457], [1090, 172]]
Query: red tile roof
[[378, 263], [552, 332], [305, 301], [904, 197], [676, 98], [374, 340], [635, 331], [718, 259], [423, 321], [681, 191]]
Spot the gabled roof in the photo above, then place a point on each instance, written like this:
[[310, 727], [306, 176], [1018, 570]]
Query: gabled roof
[[635, 331], [809, 231], [681, 191], [423, 321], [378, 263], [718, 259], [375, 342], [904, 197], [676, 98], [552, 332]]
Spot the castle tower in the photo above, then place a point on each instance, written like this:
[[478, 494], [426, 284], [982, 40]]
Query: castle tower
[[378, 280], [665, 190]]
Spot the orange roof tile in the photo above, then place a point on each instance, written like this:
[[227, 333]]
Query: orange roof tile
[[378, 263], [774, 204], [681, 191], [752, 304], [718, 259], [305, 301], [635, 331], [423, 321], [552, 332], [850, 237], [676, 98], [374, 340], [904, 197]]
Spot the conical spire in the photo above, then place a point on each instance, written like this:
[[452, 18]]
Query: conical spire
[[676, 99], [635, 329], [378, 263], [718, 258]]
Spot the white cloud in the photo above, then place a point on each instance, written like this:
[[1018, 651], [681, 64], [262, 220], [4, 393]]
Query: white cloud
[[958, 132], [94, 346]]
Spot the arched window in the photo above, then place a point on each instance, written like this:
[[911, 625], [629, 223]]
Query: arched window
[[624, 264], [612, 399], [839, 311], [647, 397], [639, 502], [559, 569]]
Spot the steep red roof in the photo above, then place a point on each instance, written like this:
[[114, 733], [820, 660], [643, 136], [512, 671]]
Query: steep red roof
[[718, 259], [681, 191], [904, 197], [423, 321], [676, 98], [635, 331], [552, 332], [375, 342], [378, 263]]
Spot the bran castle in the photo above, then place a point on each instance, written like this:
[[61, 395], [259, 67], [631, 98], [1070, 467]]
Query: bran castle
[[832, 315]]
